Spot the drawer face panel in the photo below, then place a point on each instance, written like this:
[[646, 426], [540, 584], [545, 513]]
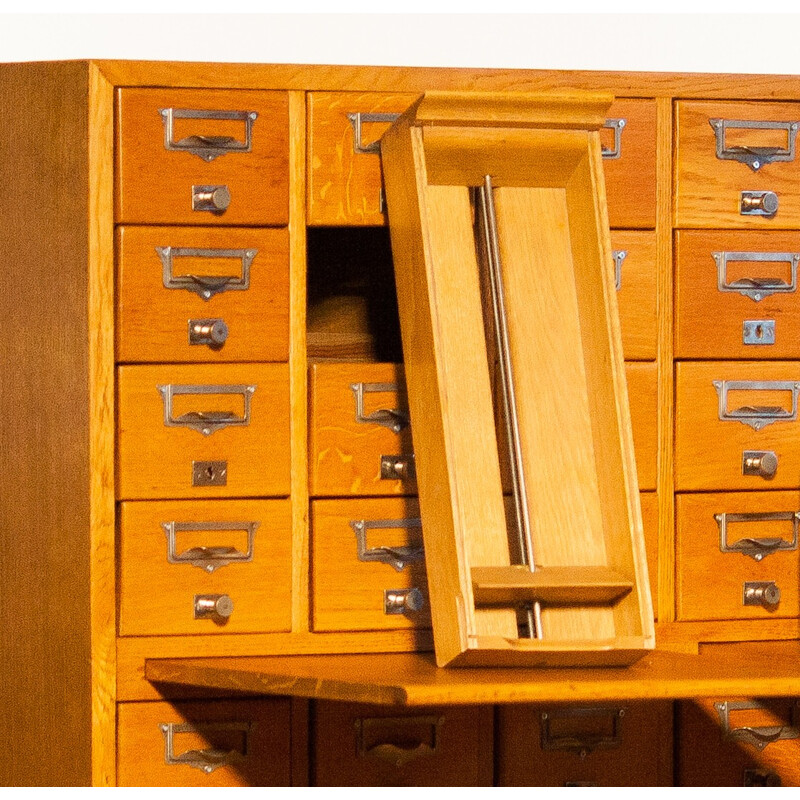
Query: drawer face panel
[[363, 745], [721, 429], [649, 503], [165, 138], [637, 293], [625, 744], [345, 185], [157, 741], [709, 187], [172, 552], [355, 412], [643, 397], [746, 282], [735, 742], [245, 452], [350, 593], [758, 533], [242, 287]]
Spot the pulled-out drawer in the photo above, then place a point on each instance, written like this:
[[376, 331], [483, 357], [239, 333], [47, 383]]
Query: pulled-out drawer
[[737, 555], [649, 503], [360, 745], [620, 744], [205, 743], [205, 566], [202, 294], [203, 431], [202, 157]]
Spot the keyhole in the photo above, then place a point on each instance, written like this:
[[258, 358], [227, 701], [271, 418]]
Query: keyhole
[[759, 331], [210, 473]]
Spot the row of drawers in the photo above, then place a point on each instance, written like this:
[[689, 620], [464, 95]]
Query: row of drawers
[[249, 742]]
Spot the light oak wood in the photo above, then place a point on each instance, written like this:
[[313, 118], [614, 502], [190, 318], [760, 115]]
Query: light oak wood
[[649, 505], [642, 382]]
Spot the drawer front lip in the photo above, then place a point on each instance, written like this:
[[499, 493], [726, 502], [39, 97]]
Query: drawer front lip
[[698, 298], [710, 582], [153, 321], [141, 751], [344, 186], [348, 594], [156, 461], [154, 184], [157, 597], [709, 451], [709, 188]]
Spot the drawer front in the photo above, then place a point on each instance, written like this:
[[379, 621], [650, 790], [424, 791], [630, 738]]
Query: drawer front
[[716, 161], [235, 309], [734, 742], [359, 416], [751, 409], [643, 397], [636, 253], [746, 282], [362, 745], [249, 457], [171, 140], [625, 744], [729, 546], [358, 593], [205, 743], [345, 182], [177, 556], [649, 503]]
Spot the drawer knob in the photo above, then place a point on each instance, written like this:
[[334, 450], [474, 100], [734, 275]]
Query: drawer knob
[[212, 606], [212, 332], [761, 593], [400, 601], [761, 463], [763, 204], [210, 198]]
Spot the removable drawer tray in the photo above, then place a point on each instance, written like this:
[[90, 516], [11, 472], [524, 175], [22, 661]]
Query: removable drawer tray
[[367, 565], [177, 556], [736, 294], [205, 743], [730, 545], [202, 157], [345, 168], [202, 294], [727, 148], [188, 431], [736, 425]]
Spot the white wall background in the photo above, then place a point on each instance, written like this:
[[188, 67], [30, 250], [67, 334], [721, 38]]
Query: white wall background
[[767, 42]]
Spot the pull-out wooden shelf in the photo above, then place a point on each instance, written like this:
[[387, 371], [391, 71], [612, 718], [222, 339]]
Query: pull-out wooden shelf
[[412, 679]]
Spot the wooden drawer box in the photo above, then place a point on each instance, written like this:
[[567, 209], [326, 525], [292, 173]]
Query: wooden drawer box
[[163, 451], [717, 153], [345, 182], [750, 742], [205, 743], [171, 552], [157, 132], [746, 283], [626, 744], [725, 542], [359, 745], [242, 280], [352, 593], [727, 411], [637, 291]]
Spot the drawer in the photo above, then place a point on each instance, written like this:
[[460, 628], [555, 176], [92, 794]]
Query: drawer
[[635, 252], [241, 292], [738, 742], [649, 503], [718, 148], [726, 414], [365, 555], [174, 552], [345, 182], [626, 744], [359, 415], [171, 140], [204, 743], [643, 398], [746, 282], [363, 745], [725, 541], [203, 431]]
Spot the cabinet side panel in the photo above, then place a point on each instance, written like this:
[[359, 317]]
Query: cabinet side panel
[[45, 704]]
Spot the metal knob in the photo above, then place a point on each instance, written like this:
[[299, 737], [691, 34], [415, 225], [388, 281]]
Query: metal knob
[[210, 198], [399, 601], [213, 332], [761, 593], [398, 468], [762, 463], [764, 204], [219, 606]]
